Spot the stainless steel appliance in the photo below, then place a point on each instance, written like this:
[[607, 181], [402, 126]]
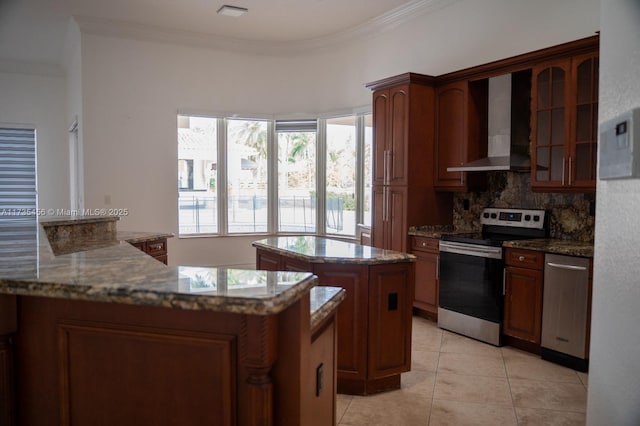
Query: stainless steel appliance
[[471, 271], [564, 310]]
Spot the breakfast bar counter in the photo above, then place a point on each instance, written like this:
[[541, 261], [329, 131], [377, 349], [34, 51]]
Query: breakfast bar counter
[[94, 331]]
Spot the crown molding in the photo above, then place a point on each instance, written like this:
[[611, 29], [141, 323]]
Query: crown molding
[[11, 66], [137, 31]]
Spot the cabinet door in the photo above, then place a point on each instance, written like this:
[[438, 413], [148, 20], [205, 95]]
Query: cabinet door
[[267, 261], [461, 134], [390, 310], [389, 229], [379, 229], [550, 132], [396, 219], [426, 288], [581, 171], [289, 264], [451, 134], [323, 394], [398, 135], [352, 316], [523, 303], [380, 108]]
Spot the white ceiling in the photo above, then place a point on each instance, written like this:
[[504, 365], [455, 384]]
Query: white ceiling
[[35, 30]]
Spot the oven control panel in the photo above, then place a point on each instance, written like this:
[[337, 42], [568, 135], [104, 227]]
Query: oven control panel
[[520, 218]]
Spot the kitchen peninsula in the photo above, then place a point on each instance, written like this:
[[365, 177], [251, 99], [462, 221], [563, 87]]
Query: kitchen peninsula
[[94, 331], [374, 322]]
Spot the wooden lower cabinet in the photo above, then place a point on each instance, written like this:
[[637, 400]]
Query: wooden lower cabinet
[[426, 287], [94, 363], [523, 295], [323, 373], [374, 320], [154, 248]]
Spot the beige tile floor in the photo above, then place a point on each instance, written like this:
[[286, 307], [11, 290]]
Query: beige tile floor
[[459, 381]]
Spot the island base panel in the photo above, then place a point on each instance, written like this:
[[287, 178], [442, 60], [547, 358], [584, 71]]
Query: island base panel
[[105, 363], [368, 387]]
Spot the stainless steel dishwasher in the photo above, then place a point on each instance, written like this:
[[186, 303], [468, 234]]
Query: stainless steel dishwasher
[[564, 311]]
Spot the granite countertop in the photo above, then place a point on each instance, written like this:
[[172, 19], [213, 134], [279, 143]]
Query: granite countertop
[[78, 220], [432, 231], [115, 271], [141, 237], [325, 250], [324, 300], [549, 245], [555, 246]]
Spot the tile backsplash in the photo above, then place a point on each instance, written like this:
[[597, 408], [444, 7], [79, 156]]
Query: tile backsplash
[[570, 215]]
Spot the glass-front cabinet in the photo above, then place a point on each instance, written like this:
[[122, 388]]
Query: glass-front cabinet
[[564, 124]]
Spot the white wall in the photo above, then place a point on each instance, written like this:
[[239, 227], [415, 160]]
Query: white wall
[[614, 378], [131, 91], [73, 66], [39, 101]]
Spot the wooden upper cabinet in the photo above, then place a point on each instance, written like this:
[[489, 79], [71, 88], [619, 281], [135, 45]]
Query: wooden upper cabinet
[[461, 133], [451, 134], [403, 130], [584, 122], [403, 160], [564, 120], [390, 116], [380, 110]]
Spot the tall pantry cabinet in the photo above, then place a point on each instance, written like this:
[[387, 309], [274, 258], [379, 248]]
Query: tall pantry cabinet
[[403, 160]]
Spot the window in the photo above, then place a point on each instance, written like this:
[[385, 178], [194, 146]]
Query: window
[[341, 175], [245, 176], [247, 182], [18, 202], [296, 176], [197, 165]]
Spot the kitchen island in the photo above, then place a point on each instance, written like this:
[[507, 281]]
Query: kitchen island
[[98, 332], [374, 321]]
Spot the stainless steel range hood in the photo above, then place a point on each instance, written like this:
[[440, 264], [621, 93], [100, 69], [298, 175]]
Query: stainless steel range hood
[[507, 146]]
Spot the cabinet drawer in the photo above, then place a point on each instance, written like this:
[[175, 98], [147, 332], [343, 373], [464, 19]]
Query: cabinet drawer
[[525, 258], [425, 244], [156, 247]]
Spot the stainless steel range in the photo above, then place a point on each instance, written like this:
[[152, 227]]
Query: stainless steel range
[[471, 271]]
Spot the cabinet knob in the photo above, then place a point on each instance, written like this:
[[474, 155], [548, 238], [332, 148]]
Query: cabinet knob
[[424, 244], [521, 258]]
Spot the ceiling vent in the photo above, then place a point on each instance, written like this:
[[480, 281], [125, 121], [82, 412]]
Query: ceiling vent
[[234, 11]]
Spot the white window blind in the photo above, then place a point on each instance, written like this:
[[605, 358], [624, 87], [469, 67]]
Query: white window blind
[[296, 125], [18, 202]]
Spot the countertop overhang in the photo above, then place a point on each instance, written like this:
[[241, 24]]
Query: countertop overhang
[[326, 250], [113, 271]]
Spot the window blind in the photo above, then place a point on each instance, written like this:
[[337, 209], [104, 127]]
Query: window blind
[[296, 125], [18, 215]]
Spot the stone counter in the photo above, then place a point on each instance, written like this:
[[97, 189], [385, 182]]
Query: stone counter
[[549, 245], [324, 300], [112, 270], [313, 249], [141, 237]]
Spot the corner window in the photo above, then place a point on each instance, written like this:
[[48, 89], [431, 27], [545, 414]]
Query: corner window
[[257, 176]]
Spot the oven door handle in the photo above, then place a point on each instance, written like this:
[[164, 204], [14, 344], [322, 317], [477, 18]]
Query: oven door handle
[[471, 250]]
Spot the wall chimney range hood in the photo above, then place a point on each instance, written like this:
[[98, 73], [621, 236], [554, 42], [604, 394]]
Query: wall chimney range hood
[[508, 126]]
